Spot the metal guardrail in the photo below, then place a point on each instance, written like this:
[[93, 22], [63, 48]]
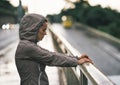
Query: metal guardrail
[[87, 70]]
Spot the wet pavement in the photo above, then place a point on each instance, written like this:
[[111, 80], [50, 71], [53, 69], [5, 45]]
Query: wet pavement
[[8, 36], [8, 71]]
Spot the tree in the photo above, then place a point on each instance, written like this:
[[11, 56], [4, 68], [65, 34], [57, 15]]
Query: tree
[[104, 19], [7, 8]]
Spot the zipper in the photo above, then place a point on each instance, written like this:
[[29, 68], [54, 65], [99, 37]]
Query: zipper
[[39, 75]]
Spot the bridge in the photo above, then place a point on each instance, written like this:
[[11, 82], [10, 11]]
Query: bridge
[[105, 54]]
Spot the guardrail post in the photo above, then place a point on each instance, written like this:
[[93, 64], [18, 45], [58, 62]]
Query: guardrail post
[[83, 79]]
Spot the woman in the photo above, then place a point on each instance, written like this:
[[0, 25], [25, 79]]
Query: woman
[[31, 59]]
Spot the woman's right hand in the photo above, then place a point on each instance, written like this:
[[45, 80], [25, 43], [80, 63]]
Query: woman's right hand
[[84, 58]]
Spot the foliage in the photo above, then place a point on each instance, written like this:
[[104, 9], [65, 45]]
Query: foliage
[[104, 19], [7, 8]]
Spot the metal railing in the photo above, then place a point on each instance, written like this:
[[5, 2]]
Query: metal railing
[[83, 73]]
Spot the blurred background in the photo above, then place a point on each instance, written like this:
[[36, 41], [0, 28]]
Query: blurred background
[[93, 18], [100, 14]]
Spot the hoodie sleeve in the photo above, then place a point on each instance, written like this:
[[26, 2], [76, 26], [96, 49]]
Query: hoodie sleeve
[[51, 58]]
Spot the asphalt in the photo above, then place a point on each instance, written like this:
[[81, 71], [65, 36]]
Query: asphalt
[[8, 71]]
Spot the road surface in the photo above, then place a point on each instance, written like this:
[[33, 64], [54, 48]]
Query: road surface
[[105, 56]]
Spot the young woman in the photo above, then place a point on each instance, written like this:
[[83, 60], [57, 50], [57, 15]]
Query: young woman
[[31, 59]]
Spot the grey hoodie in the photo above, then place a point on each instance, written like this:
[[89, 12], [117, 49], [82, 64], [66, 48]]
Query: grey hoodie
[[31, 59]]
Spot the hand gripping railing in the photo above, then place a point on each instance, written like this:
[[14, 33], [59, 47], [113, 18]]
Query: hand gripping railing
[[87, 70]]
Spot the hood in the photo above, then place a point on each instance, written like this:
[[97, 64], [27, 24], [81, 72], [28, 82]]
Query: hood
[[29, 26]]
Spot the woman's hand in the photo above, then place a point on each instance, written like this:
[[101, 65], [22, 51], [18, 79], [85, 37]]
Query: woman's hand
[[84, 58]]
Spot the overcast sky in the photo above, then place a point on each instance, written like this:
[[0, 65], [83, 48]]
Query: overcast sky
[[45, 7]]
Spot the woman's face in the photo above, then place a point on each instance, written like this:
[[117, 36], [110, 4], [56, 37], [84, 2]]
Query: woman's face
[[42, 31]]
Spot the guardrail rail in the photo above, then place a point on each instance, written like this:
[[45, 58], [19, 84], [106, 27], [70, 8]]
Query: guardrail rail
[[85, 74]]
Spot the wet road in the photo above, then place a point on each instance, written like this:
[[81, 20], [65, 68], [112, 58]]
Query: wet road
[[8, 44], [105, 56], [7, 37]]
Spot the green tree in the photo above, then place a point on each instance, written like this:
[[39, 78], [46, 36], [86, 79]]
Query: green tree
[[7, 8], [104, 19]]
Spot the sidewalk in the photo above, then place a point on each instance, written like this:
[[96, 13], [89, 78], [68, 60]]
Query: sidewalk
[[8, 71]]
